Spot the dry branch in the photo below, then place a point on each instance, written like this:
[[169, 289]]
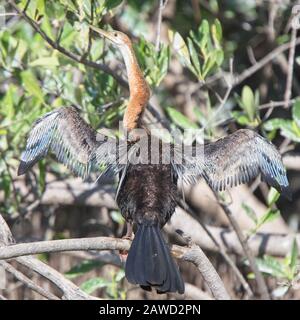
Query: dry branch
[[265, 60], [68, 289], [261, 284], [194, 255], [194, 293], [70, 193], [27, 282], [261, 243]]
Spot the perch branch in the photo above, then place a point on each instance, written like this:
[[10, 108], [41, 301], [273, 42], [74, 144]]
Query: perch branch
[[194, 255], [74, 193]]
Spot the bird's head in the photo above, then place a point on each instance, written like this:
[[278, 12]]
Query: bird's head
[[116, 37]]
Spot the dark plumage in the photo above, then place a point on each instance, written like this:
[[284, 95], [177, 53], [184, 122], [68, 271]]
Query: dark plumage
[[147, 197]]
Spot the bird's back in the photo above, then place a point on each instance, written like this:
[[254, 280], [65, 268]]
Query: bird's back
[[148, 193]]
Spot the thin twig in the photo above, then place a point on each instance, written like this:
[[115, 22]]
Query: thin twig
[[275, 104], [288, 89], [262, 287], [261, 63], [223, 253], [162, 4]]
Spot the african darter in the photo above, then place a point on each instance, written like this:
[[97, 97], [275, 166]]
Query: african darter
[[147, 193]]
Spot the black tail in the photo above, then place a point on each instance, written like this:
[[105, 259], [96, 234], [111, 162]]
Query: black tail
[[149, 262]]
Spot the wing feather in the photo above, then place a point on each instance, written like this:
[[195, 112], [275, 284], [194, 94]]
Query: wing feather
[[68, 136], [240, 157]]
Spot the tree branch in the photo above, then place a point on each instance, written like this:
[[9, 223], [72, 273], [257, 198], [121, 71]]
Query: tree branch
[[289, 80], [68, 288], [261, 63], [262, 287], [194, 255], [162, 4], [27, 282]]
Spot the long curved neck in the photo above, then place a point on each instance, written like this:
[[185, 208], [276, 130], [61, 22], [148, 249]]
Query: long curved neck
[[138, 87]]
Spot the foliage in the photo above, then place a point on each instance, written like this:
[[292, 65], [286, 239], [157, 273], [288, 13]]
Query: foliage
[[191, 81]]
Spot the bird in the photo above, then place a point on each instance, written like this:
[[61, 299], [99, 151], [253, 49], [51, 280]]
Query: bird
[[147, 192]]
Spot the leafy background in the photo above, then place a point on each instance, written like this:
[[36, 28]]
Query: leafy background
[[194, 79]]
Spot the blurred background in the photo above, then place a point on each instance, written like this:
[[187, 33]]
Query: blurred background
[[213, 65]]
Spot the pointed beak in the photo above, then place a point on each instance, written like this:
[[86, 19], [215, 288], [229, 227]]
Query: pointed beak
[[102, 32]]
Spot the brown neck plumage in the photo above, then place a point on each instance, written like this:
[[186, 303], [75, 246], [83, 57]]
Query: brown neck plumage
[[139, 90]]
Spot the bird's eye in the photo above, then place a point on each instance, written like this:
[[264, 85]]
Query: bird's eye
[[115, 34]]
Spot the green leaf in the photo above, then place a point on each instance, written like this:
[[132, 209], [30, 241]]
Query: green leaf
[[180, 120], [93, 284], [248, 102], [269, 216], [276, 123], [204, 36], [45, 61], [216, 31], [296, 112], [250, 212], [273, 196], [180, 47], [120, 275], [31, 85], [194, 57], [286, 127], [110, 4], [271, 266], [209, 64], [117, 217], [240, 117], [42, 176], [9, 102], [41, 6], [82, 268]]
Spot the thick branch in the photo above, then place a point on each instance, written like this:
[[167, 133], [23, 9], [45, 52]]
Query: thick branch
[[210, 275]]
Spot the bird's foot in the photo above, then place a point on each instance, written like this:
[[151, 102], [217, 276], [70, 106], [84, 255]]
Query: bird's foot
[[128, 236]]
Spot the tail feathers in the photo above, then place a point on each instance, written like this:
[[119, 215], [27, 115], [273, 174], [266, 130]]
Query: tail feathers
[[149, 262]]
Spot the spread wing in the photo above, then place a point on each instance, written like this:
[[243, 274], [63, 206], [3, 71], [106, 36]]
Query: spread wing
[[69, 137], [240, 157]]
